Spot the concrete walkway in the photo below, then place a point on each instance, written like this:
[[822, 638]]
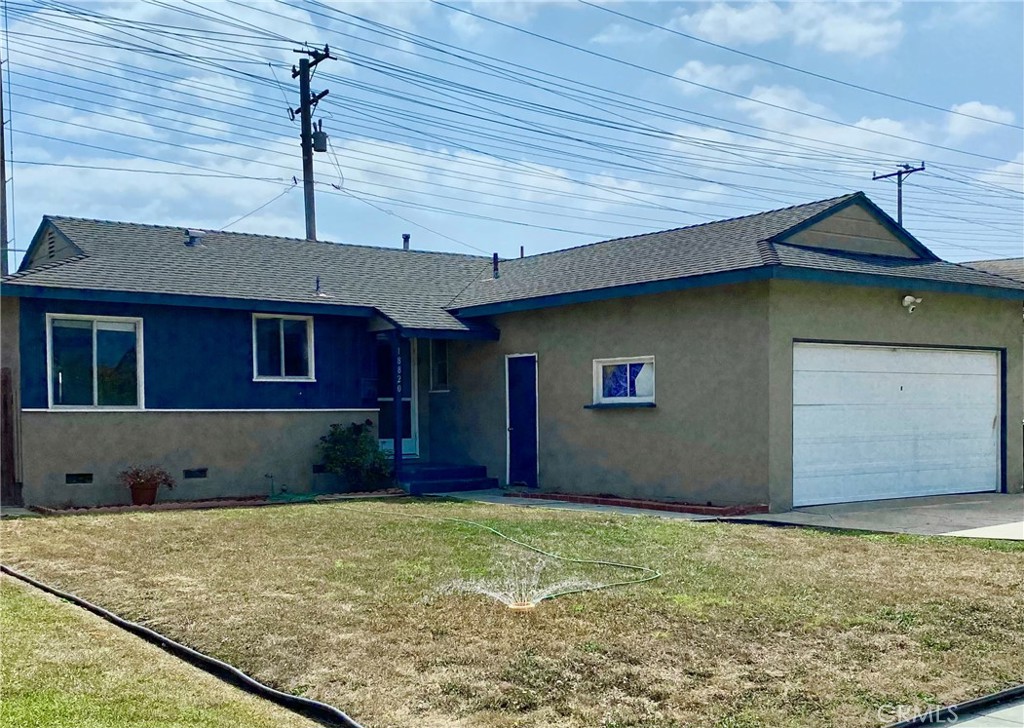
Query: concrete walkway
[[984, 515], [497, 497], [1003, 716]]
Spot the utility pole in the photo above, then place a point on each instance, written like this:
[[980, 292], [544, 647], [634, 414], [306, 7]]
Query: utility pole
[[902, 171], [4, 242], [312, 140]]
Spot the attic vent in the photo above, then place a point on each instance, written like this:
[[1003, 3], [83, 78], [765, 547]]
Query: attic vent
[[51, 245], [193, 238]]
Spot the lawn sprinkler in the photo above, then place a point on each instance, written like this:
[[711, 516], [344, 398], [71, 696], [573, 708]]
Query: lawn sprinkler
[[522, 606]]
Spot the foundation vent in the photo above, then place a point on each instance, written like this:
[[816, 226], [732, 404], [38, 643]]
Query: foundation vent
[[194, 473], [77, 478]]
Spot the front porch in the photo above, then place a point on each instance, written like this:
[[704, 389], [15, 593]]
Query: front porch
[[418, 369]]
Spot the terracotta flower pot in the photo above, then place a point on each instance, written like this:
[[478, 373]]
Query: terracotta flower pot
[[143, 495]]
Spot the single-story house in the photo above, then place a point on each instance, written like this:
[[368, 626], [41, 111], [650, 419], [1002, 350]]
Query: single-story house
[[813, 354]]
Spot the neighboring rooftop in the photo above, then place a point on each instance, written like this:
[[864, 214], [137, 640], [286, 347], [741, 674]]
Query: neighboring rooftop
[[444, 291], [1006, 267]]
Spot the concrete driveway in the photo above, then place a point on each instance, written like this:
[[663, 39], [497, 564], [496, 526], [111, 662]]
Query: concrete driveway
[[983, 515]]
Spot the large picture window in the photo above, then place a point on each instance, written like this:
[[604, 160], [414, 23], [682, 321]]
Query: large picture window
[[624, 380], [95, 361], [282, 348]]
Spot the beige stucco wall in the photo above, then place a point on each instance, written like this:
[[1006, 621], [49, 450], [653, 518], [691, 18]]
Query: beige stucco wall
[[705, 441], [238, 448], [875, 315]]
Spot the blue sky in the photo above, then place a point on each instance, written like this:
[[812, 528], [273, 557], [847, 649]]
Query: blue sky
[[474, 134]]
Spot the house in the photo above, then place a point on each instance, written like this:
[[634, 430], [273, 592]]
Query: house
[[813, 354]]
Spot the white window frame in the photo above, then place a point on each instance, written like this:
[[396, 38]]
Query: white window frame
[[599, 397], [257, 377], [140, 363], [447, 370]]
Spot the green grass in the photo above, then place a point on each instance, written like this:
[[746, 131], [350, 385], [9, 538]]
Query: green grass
[[749, 625], [64, 667]]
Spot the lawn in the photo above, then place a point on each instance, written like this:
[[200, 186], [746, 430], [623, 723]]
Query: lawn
[[367, 609], [65, 667]]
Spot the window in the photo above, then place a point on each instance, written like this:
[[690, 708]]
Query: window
[[627, 380], [94, 361], [438, 365], [282, 347]]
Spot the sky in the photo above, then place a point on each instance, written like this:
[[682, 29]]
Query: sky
[[511, 127]]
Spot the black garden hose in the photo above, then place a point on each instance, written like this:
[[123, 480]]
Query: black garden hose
[[320, 712]]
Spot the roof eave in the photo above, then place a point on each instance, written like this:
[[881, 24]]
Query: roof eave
[[721, 278], [27, 290]]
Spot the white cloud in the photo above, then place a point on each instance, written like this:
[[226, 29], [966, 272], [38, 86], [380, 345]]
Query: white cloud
[[854, 28], [1009, 175], [961, 127], [619, 34], [722, 77]]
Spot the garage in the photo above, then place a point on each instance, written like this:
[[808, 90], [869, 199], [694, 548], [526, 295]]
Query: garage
[[876, 422]]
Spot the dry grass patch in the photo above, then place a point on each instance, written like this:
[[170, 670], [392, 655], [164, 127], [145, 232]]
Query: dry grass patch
[[749, 626], [65, 667]]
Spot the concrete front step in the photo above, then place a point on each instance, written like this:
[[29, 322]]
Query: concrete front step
[[441, 471], [423, 487]]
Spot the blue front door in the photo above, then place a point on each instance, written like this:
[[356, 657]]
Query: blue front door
[[521, 399]]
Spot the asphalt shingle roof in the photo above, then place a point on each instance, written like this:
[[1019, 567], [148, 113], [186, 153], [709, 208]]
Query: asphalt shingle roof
[[714, 247], [419, 289], [1006, 267], [410, 287]]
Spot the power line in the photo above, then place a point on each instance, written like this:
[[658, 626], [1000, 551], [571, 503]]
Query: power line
[[272, 200], [762, 102], [804, 71]]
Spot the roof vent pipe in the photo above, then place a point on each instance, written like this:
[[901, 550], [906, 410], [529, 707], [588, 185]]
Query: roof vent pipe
[[193, 238], [405, 241], [494, 265]]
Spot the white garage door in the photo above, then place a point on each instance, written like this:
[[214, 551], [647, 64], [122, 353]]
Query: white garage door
[[873, 422]]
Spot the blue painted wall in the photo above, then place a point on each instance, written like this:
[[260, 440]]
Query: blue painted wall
[[198, 358]]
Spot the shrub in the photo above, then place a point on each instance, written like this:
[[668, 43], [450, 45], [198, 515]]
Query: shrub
[[353, 452], [145, 475]]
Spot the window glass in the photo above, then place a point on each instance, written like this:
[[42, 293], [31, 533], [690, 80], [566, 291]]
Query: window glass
[[268, 347], [438, 364], [296, 347], [71, 362], [641, 379], [116, 364], [623, 379], [615, 380]]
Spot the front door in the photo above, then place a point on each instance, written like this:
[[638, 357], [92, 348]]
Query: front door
[[521, 408], [386, 397]]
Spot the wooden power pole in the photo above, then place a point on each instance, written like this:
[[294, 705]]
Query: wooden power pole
[[902, 171], [311, 140]]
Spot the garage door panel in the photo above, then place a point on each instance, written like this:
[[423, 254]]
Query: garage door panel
[[886, 359], [856, 388], [883, 422], [839, 422]]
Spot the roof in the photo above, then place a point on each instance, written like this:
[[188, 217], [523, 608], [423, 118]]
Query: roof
[[1006, 267], [444, 292], [741, 244], [411, 288]]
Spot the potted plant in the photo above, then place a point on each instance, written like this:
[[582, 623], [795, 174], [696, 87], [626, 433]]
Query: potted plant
[[144, 482]]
